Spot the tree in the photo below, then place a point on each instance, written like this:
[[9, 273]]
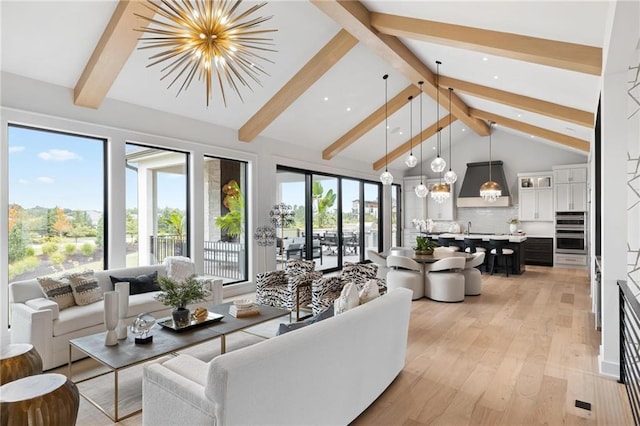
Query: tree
[[15, 215], [62, 224], [100, 232], [17, 247], [322, 202], [132, 224], [172, 222]]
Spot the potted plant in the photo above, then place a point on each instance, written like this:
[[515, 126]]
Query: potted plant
[[513, 222], [425, 245], [178, 295]]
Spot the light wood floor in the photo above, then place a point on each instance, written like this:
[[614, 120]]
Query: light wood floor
[[519, 354]]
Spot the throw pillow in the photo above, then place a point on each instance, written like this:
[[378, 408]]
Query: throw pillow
[[58, 290], [285, 328], [179, 268], [140, 284], [369, 292], [348, 298], [86, 289]]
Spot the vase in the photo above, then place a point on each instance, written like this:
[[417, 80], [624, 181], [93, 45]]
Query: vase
[[123, 307], [111, 317], [513, 228], [181, 317]]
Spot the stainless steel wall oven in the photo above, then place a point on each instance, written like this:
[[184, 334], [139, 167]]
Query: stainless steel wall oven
[[571, 232]]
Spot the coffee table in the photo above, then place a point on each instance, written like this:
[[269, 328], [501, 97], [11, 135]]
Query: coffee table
[[127, 354]]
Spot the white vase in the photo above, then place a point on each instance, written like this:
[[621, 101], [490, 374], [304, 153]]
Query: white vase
[[123, 308], [513, 228], [111, 317]]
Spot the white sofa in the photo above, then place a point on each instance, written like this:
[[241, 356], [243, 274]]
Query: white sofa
[[36, 320], [342, 363]]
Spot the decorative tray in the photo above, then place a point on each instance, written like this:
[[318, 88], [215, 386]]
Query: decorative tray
[[167, 322]]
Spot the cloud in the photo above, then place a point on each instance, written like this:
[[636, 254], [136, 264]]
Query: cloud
[[58, 155], [23, 181], [15, 149], [45, 179]]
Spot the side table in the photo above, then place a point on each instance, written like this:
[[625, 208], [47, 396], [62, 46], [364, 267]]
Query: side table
[[40, 400], [18, 360]]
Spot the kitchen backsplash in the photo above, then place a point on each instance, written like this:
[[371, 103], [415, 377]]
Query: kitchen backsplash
[[483, 219]]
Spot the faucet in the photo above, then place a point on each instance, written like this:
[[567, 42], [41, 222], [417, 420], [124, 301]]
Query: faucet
[[468, 227]]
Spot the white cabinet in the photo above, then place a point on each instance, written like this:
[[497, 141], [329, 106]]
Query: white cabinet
[[571, 187], [440, 211], [535, 192], [414, 207]]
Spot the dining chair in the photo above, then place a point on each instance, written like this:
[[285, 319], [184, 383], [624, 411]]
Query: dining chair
[[376, 258], [444, 281], [472, 275], [405, 273]]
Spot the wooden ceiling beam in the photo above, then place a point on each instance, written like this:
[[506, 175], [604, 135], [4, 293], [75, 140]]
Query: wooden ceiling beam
[[116, 44], [559, 54], [354, 17], [549, 109], [394, 104], [560, 138], [413, 142], [315, 68]]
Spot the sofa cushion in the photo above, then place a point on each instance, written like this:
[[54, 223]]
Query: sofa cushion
[[287, 327], [145, 302], [86, 289], [59, 290], [79, 317], [141, 284]]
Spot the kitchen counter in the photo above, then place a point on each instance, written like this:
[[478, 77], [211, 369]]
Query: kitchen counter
[[486, 237]]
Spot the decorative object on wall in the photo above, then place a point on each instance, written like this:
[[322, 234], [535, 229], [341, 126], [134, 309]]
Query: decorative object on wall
[[411, 160], [386, 178], [281, 216], [490, 190], [111, 317], [438, 164], [421, 190], [265, 236], [450, 177], [123, 307], [205, 37]]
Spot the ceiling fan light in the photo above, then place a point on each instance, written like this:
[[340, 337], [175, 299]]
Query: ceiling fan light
[[438, 164], [411, 161], [450, 177], [421, 190], [386, 178]]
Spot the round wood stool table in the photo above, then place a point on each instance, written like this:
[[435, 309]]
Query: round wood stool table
[[41, 400], [18, 360]]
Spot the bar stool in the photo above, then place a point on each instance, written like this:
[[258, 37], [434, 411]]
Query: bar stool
[[448, 242], [474, 245], [500, 254]]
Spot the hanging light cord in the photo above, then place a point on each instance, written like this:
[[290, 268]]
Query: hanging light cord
[[420, 83], [411, 124], [490, 125], [438, 104], [386, 127], [450, 91]]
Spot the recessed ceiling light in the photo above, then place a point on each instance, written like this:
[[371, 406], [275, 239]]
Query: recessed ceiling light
[[532, 137], [326, 98], [400, 132], [348, 109], [433, 147], [485, 59], [519, 115], [495, 77], [464, 130]]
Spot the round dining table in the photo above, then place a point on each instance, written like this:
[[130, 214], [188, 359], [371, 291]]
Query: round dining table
[[425, 258]]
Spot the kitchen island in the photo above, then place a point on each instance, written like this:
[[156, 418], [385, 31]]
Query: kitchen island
[[515, 243]]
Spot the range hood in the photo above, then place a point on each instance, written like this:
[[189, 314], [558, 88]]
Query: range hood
[[474, 177]]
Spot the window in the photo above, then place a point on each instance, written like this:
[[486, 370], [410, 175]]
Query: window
[[225, 219], [56, 225], [157, 192]]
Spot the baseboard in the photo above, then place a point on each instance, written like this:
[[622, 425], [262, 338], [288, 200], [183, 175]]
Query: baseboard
[[610, 369]]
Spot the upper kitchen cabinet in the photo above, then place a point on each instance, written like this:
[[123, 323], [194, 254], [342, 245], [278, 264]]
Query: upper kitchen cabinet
[[535, 192], [414, 206], [440, 211], [571, 187]]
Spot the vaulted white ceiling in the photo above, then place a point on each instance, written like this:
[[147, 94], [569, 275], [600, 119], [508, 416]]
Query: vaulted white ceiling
[[52, 41]]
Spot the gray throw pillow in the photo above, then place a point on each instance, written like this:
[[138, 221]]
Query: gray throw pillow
[[285, 328], [140, 284]]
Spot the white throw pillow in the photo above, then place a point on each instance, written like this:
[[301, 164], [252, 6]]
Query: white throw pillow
[[348, 299], [369, 292]]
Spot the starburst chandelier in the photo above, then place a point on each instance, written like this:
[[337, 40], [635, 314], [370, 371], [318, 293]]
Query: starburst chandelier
[[207, 38]]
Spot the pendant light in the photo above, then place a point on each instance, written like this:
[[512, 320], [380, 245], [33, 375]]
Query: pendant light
[[490, 190], [421, 190], [438, 164], [450, 177], [386, 178], [411, 160]]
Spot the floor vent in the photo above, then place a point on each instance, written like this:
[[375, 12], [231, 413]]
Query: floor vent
[[583, 405]]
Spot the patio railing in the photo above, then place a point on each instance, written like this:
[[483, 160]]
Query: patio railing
[[629, 350]]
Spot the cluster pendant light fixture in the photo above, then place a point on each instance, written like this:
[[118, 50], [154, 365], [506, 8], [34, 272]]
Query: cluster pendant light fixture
[[450, 177], [386, 178], [490, 190], [421, 190], [411, 160], [440, 191]]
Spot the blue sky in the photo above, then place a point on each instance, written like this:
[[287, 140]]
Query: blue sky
[[51, 169]]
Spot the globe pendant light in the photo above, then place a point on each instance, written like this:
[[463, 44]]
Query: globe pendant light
[[421, 190], [450, 177], [438, 164], [386, 178], [490, 190], [411, 160]]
